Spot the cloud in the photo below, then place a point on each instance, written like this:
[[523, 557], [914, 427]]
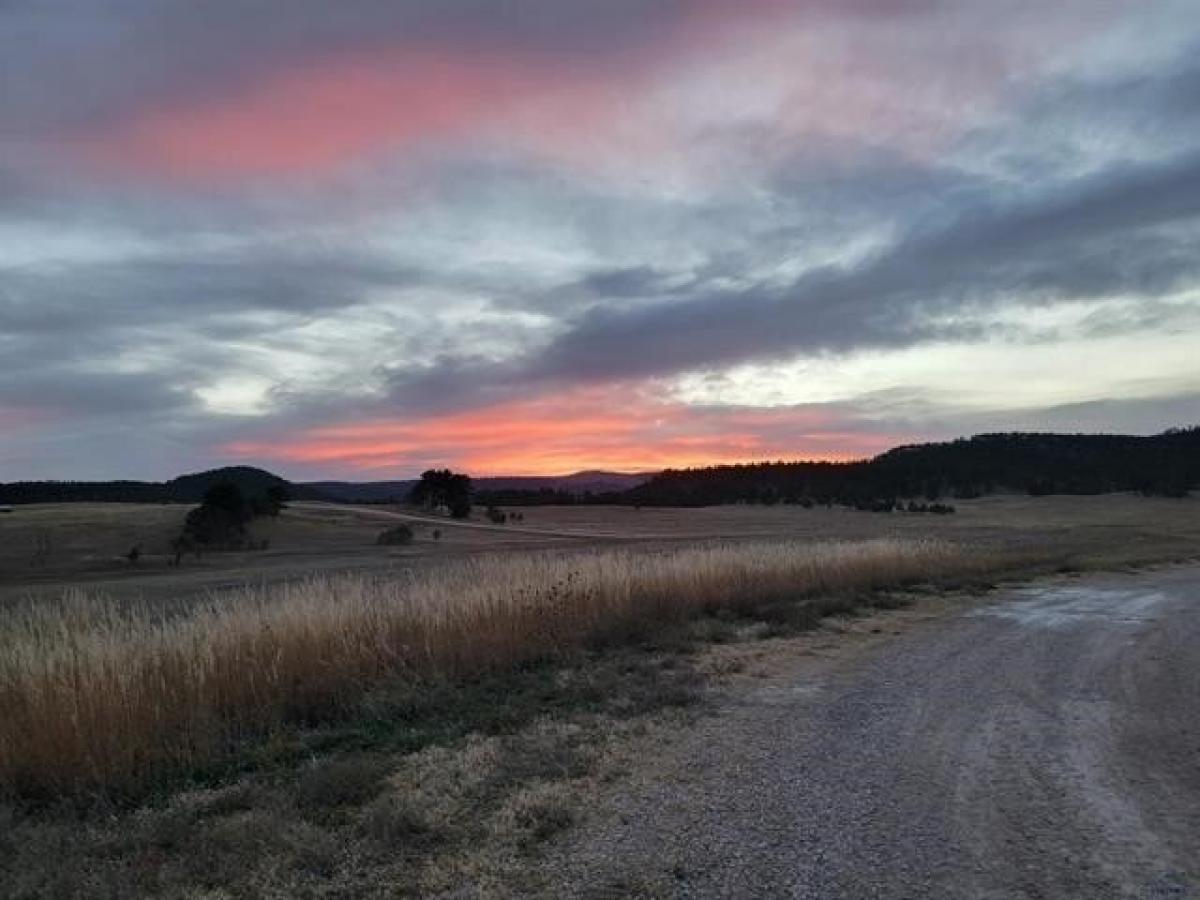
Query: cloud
[[238, 86], [136, 53], [1085, 239], [237, 223], [139, 292], [244, 91]]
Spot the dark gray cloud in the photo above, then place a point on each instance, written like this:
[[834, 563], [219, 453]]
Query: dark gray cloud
[[58, 390], [186, 290], [628, 282], [1084, 240]]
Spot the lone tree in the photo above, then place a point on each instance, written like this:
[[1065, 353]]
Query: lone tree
[[227, 497], [441, 487], [219, 521], [271, 502]]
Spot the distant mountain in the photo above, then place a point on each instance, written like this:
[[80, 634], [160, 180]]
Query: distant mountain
[[360, 491], [252, 481], [595, 482]]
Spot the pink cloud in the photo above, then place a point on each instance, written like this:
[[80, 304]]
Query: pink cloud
[[315, 117], [327, 111]]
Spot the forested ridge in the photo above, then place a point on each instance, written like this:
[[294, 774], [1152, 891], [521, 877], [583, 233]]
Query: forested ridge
[[1166, 464], [184, 489]]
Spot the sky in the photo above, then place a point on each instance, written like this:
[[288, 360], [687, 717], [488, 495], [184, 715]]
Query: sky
[[359, 239]]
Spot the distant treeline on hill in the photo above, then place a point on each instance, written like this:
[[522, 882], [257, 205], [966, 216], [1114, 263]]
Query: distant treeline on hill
[[1166, 464], [184, 489]]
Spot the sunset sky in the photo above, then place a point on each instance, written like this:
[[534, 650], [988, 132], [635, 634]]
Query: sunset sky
[[355, 239]]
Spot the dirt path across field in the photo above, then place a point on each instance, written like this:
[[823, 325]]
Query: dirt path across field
[[1043, 745], [506, 529]]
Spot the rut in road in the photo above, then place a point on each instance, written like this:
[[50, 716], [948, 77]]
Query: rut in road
[[1044, 745]]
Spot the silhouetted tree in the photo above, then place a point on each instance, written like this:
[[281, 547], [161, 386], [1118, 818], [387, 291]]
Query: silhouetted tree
[[442, 487], [271, 502], [218, 522], [227, 498]]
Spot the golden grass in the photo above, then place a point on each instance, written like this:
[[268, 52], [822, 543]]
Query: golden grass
[[99, 697]]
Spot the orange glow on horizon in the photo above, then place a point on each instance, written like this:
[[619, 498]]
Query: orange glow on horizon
[[575, 432]]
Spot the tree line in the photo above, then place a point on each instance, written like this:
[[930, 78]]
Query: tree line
[[184, 489], [1166, 464]]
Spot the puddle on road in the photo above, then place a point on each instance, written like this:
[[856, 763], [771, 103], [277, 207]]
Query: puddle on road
[[1058, 607]]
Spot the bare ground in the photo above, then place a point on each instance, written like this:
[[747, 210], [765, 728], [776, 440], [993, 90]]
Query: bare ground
[[1044, 744]]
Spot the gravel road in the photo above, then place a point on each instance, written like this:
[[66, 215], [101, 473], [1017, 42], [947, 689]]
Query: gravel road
[[1046, 745]]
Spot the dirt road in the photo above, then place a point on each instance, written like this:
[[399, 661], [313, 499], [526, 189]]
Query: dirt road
[[446, 523], [1043, 745]]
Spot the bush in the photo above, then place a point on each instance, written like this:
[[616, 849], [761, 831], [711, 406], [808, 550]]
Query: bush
[[396, 536]]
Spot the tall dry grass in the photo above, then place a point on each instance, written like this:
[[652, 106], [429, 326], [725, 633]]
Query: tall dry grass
[[100, 697]]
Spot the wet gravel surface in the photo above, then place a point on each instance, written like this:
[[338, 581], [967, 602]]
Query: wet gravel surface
[[1043, 745]]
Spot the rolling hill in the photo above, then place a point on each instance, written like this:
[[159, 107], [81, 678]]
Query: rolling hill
[[1166, 464]]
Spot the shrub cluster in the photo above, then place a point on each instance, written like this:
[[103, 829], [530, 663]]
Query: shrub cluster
[[396, 536]]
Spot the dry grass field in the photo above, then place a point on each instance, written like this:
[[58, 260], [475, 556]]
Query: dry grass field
[[97, 696], [328, 717], [87, 542]]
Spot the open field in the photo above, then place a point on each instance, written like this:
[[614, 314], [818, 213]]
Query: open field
[[332, 718], [87, 541]]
